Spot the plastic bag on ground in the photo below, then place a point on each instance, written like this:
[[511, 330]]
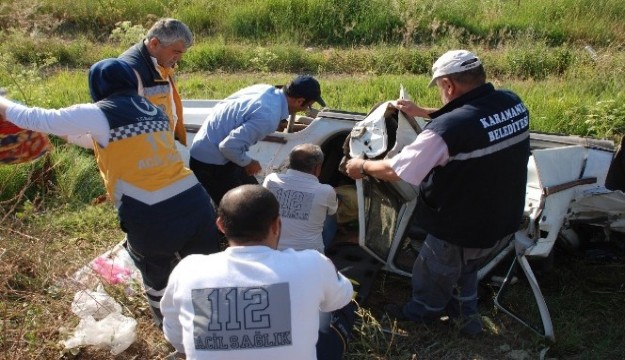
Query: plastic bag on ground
[[111, 270], [94, 303], [101, 324], [114, 266], [115, 331]]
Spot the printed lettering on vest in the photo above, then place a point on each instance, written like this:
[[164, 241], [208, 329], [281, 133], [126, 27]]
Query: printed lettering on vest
[[518, 117]]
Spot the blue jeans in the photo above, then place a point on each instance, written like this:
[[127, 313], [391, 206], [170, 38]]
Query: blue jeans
[[330, 227], [444, 279]]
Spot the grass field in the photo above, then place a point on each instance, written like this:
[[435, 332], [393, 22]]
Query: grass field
[[42, 249], [563, 57]]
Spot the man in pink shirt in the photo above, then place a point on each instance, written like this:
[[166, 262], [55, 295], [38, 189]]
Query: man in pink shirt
[[470, 164]]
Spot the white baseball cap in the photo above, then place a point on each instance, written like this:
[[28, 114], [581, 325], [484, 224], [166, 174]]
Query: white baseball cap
[[454, 61]]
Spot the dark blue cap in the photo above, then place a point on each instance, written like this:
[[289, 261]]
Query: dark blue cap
[[110, 76], [307, 87]]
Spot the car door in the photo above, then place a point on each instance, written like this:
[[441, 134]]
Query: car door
[[386, 208]]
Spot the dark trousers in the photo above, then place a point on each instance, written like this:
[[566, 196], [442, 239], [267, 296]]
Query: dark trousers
[[158, 236], [444, 277], [336, 333], [615, 179], [219, 179]]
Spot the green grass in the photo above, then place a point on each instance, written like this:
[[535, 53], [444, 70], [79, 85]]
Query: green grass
[[588, 103], [532, 39], [349, 22], [68, 175]]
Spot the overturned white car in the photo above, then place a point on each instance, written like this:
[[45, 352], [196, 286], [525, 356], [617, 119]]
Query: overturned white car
[[564, 191]]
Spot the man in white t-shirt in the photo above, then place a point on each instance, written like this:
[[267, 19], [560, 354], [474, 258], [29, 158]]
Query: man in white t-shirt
[[305, 203], [251, 301]]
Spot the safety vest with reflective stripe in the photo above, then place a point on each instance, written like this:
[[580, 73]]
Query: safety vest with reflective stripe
[[141, 159], [159, 88]]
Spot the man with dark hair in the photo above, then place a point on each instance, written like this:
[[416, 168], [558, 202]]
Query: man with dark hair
[[251, 301], [219, 151], [164, 211], [258, 214], [306, 205], [154, 59], [470, 164]]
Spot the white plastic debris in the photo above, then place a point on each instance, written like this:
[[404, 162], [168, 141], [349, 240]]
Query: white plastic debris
[[101, 321], [591, 52], [101, 324], [115, 331], [97, 304]]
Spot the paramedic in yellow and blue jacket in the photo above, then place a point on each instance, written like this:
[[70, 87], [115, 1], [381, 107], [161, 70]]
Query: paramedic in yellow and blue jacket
[[164, 211]]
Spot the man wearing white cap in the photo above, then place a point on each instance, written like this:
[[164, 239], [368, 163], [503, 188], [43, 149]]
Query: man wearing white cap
[[470, 163]]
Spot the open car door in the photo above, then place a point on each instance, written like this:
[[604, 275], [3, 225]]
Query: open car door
[[385, 208]]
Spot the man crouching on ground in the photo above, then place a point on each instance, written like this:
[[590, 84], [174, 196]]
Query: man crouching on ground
[[251, 301]]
